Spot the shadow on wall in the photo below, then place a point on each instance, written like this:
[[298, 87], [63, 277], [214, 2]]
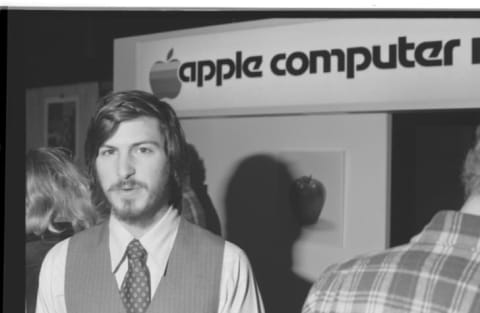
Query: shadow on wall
[[197, 183], [260, 220]]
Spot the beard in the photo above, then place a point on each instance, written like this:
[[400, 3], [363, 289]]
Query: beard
[[128, 212], [138, 210]]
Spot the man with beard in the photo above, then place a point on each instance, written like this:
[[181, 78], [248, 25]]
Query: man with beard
[[145, 257]]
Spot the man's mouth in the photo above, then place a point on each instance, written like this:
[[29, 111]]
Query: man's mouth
[[128, 192], [129, 188]]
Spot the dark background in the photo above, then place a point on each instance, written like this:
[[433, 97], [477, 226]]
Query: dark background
[[46, 48], [428, 150]]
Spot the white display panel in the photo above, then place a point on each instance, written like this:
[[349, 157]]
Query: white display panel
[[246, 157]]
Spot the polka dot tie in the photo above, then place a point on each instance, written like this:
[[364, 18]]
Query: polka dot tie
[[135, 291]]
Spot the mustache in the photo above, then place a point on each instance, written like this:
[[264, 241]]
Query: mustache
[[127, 184]]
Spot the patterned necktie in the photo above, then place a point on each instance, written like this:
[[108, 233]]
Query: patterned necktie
[[135, 291]]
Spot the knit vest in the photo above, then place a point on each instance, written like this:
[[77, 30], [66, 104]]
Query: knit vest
[[191, 282]]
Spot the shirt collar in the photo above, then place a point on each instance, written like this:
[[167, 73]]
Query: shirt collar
[[153, 241], [450, 228]]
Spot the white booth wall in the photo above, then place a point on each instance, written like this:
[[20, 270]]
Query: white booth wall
[[359, 220]]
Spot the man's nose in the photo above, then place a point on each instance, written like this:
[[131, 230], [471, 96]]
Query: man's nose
[[125, 166]]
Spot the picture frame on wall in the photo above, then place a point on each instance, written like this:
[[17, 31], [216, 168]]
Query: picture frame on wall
[[61, 123]]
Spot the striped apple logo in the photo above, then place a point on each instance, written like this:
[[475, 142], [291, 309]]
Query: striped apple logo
[[164, 78]]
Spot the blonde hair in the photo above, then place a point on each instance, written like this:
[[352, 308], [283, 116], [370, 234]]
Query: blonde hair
[[471, 168], [56, 190]]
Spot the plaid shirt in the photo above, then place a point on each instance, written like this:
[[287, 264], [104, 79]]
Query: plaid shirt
[[437, 272]]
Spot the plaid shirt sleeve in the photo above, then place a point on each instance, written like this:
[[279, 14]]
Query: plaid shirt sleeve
[[317, 293], [438, 272]]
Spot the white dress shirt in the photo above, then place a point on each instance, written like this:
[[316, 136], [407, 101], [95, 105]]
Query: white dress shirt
[[239, 292]]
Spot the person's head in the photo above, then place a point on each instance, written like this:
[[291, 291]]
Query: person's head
[[55, 190], [136, 154], [471, 168]]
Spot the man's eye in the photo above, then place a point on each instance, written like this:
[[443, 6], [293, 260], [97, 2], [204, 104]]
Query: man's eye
[[144, 150], [106, 152]]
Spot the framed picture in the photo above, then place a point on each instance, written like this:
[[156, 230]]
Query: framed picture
[[61, 123]]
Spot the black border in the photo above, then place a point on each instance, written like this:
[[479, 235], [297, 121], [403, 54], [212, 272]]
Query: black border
[[14, 183]]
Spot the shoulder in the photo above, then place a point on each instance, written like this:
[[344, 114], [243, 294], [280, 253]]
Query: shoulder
[[342, 274], [55, 258], [233, 256], [58, 249], [89, 238], [333, 279], [234, 252], [51, 277], [235, 260], [90, 232], [197, 232], [387, 256]]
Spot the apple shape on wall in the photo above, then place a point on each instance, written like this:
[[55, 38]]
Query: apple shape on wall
[[316, 193], [164, 78], [307, 195]]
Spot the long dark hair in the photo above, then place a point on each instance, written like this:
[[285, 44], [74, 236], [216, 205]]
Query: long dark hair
[[118, 107]]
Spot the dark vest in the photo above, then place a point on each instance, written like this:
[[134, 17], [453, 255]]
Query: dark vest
[[191, 282]]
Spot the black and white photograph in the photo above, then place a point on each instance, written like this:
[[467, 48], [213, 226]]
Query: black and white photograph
[[242, 160]]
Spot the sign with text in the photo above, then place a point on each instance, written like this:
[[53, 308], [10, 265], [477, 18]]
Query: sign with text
[[310, 65]]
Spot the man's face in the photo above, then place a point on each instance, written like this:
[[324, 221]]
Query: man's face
[[133, 170]]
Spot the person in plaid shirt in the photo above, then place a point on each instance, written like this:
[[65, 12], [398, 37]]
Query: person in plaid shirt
[[437, 272]]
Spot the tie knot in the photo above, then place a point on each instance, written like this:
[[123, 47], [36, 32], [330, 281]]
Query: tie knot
[[135, 250]]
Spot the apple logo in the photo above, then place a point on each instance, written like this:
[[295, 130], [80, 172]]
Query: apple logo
[[164, 79], [307, 196]]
